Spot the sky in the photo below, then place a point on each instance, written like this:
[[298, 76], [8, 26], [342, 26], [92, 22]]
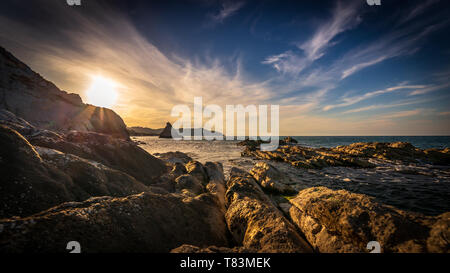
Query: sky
[[334, 67]]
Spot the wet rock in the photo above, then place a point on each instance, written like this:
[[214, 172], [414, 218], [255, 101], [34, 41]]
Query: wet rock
[[174, 157], [145, 222], [340, 221], [254, 221], [271, 179]]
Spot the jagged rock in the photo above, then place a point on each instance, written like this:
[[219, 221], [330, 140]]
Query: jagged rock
[[32, 181], [190, 183], [197, 170], [29, 96], [340, 221], [174, 157], [167, 132], [112, 152], [271, 179], [145, 222], [19, 124], [254, 221]]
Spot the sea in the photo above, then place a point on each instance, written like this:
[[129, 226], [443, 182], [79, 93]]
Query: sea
[[229, 153]]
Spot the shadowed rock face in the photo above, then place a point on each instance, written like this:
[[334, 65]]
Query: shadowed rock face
[[145, 222], [340, 221], [36, 178], [255, 222], [29, 96], [167, 131], [112, 152]]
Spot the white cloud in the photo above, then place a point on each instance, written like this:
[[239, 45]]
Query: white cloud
[[229, 8]]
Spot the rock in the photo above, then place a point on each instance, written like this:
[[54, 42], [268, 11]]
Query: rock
[[145, 222], [112, 152], [197, 170], [167, 132], [216, 184], [174, 157], [12, 121], [190, 183], [35, 179], [29, 96], [288, 140], [342, 222], [255, 222], [271, 179]]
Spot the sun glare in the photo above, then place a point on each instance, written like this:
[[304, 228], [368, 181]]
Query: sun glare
[[102, 92]]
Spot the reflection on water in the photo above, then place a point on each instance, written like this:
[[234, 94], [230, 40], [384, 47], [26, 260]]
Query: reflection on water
[[225, 152]]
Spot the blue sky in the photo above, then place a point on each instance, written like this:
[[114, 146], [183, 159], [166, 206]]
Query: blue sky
[[334, 67]]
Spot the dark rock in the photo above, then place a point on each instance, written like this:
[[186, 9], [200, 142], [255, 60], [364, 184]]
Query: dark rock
[[189, 183], [167, 132], [197, 170], [32, 182], [29, 96], [174, 157], [112, 152], [145, 222]]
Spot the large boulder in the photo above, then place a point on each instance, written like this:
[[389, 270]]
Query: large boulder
[[37, 178], [253, 220], [112, 152], [29, 96], [342, 222], [145, 222]]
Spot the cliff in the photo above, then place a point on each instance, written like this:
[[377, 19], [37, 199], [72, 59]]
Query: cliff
[[31, 97]]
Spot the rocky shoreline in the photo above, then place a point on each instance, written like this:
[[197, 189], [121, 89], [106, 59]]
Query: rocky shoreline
[[70, 172], [53, 193]]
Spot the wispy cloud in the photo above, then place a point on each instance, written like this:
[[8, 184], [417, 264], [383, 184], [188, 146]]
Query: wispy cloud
[[347, 101], [344, 17], [228, 9], [429, 89]]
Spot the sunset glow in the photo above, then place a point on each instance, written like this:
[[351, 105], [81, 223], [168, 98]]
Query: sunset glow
[[102, 92]]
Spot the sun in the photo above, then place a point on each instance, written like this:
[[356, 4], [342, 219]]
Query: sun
[[102, 92]]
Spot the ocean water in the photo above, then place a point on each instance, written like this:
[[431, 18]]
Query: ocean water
[[423, 142], [229, 154]]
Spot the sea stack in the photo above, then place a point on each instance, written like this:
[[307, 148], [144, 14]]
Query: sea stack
[[167, 132]]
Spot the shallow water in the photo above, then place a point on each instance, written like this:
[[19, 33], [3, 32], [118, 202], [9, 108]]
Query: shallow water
[[422, 188], [226, 152]]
